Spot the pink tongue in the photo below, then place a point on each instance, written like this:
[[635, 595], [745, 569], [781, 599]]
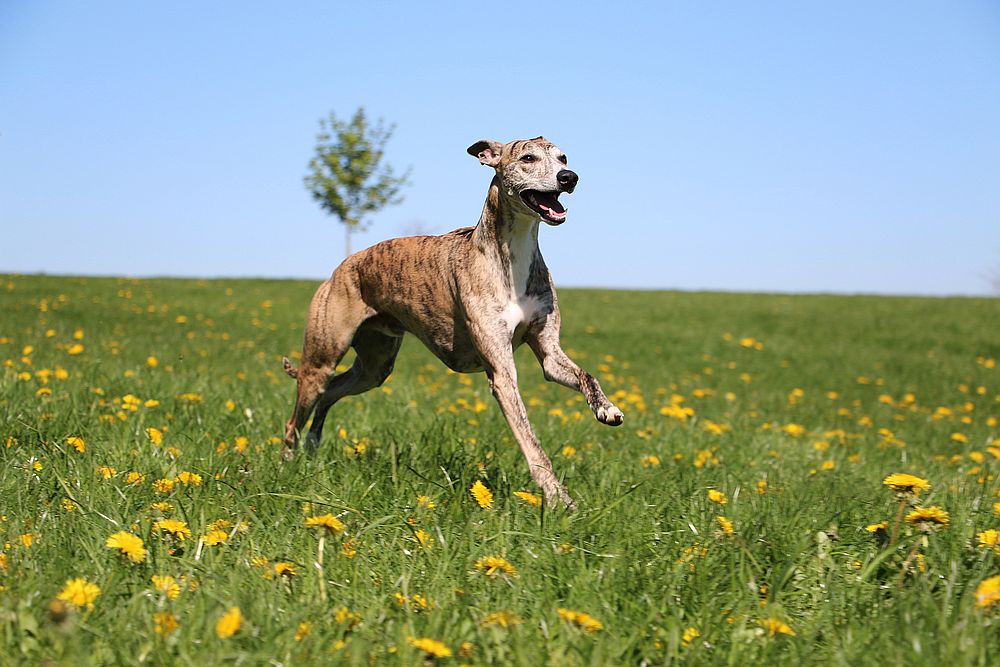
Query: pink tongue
[[552, 207]]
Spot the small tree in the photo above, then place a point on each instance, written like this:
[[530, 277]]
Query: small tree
[[344, 175]]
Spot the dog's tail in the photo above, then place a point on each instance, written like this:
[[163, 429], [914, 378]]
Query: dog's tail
[[290, 370]]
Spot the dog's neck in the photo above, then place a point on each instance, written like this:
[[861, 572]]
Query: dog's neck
[[509, 237]]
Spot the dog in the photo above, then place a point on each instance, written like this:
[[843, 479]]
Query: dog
[[471, 296]]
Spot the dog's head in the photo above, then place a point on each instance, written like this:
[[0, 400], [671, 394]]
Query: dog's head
[[532, 175]]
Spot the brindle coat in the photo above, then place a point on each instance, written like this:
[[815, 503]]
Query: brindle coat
[[471, 296]]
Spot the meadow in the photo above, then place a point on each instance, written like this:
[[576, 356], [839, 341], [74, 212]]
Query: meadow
[[799, 479]]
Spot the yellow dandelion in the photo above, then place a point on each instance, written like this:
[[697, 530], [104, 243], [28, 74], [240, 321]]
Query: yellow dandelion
[[128, 545], [77, 443], [988, 592], [650, 461], [286, 568], [325, 521], [344, 616], [482, 495], [717, 497], [725, 525], [134, 478], [494, 565], [432, 647], [580, 619], [928, 517], [529, 498], [689, 635], [75, 349], [173, 527], [152, 361], [775, 626], [301, 632], [79, 592], [163, 485], [904, 483], [167, 585], [214, 537], [229, 623], [875, 527], [425, 503], [189, 478], [105, 472], [424, 539], [164, 623], [989, 539], [155, 435], [503, 618]]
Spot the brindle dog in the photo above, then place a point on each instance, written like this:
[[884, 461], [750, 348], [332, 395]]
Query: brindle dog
[[471, 296]]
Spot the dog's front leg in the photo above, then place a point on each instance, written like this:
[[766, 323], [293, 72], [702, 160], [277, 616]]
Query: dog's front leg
[[558, 367], [498, 358]]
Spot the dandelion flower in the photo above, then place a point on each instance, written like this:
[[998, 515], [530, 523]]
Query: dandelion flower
[[717, 496], [305, 627], [580, 619], [163, 485], [128, 545], [989, 539], [482, 495], [425, 503], [424, 539], [988, 592], [928, 517], [327, 521], [725, 525], [79, 592], [188, 478], [774, 626], [229, 623], [164, 622], [529, 498], [504, 618], [173, 527], [689, 635], [166, 585], [77, 443], [286, 568], [155, 435], [215, 537], [906, 484], [432, 647], [494, 565], [875, 527]]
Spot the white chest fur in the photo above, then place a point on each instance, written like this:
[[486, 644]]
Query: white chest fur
[[521, 308]]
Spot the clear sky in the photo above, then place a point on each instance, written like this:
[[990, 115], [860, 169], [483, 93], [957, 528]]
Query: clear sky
[[773, 146]]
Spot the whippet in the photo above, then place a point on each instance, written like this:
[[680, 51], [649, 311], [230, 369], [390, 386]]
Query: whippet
[[471, 296]]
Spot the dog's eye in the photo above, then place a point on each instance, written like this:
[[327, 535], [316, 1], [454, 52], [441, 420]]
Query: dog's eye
[[562, 158], [528, 158]]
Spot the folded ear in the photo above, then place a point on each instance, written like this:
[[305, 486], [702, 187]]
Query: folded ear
[[487, 151]]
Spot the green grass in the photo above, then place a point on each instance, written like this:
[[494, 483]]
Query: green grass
[[644, 554]]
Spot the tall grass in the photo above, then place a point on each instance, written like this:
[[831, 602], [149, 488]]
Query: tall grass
[[794, 408]]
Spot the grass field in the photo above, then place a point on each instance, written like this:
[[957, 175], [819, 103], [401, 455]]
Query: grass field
[[731, 520]]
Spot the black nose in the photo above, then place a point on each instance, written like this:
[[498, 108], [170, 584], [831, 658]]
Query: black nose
[[567, 179]]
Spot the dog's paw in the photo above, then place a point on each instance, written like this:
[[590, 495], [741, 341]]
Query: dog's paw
[[287, 453], [610, 415]]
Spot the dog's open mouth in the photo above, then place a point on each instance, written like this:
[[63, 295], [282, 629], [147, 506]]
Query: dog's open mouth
[[545, 204]]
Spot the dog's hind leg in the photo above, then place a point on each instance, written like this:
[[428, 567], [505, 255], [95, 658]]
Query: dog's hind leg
[[376, 356], [334, 316]]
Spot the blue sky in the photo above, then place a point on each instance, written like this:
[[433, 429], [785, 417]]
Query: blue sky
[[795, 147]]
